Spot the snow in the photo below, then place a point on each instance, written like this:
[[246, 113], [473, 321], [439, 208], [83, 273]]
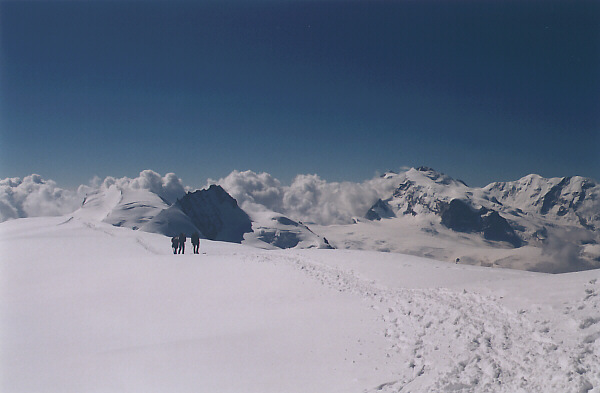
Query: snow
[[554, 220], [87, 306]]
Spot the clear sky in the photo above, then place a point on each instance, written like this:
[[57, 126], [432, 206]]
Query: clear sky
[[483, 91]]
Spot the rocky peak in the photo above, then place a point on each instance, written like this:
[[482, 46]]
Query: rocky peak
[[216, 214]]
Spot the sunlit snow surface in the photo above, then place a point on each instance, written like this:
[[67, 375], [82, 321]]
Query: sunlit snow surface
[[89, 307]]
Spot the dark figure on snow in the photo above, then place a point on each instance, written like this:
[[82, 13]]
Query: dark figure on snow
[[182, 239], [175, 244], [196, 242]]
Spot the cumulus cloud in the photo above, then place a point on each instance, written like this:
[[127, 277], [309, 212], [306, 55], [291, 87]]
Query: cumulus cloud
[[309, 198], [34, 196], [168, 187], [254, 188]]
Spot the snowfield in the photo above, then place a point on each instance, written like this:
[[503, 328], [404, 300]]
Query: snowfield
[[89, 307]]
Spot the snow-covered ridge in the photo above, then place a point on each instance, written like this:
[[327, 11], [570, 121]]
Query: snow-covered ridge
[[532, 223], [551, 223], [570, 199]]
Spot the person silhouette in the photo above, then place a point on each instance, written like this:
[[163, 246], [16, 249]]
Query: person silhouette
[[182, 239], [175, 244], [196, 242]]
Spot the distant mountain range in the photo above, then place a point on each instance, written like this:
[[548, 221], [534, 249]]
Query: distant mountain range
[[532, 223], [518, 212], [550, 224]]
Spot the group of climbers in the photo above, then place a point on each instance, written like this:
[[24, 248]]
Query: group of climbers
[[178, 243]]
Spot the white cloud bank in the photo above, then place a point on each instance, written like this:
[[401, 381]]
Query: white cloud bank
[[309, 198], [34, 196], [168, 187]]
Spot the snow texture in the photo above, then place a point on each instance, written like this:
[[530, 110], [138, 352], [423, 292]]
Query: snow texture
[[88, 306]]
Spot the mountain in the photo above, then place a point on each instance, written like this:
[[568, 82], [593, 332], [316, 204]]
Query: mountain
[[213, 213], [533, 223], [550, 224], [122, 206], [570, 200]]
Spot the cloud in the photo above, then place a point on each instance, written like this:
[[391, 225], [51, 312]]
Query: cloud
[[168, 187], [34, 196], [309, 198], [565, 248], [254, 188]]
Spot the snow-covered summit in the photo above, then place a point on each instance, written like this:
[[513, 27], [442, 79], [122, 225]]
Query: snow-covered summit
[[122, 206], [574, 200], [421, 190]]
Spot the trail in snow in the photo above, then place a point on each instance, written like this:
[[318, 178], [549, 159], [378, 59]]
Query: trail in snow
[[466, 342], [281, 320]]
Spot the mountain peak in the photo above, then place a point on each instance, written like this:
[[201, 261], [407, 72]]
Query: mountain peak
[[433, 175], [216, 214], [425, 169]]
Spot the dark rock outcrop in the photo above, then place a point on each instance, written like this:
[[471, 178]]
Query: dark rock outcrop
[[460, 216], [552, 197], [495, 227], [216, 214], [379, 210]]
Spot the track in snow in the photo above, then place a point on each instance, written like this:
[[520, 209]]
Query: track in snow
[[461, 341]]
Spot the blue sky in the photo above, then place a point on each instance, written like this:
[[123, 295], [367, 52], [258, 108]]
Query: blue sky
[[482, 91]]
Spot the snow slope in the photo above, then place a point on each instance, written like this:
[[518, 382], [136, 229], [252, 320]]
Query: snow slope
[[86, 306], [122, 206], [546, 225]]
